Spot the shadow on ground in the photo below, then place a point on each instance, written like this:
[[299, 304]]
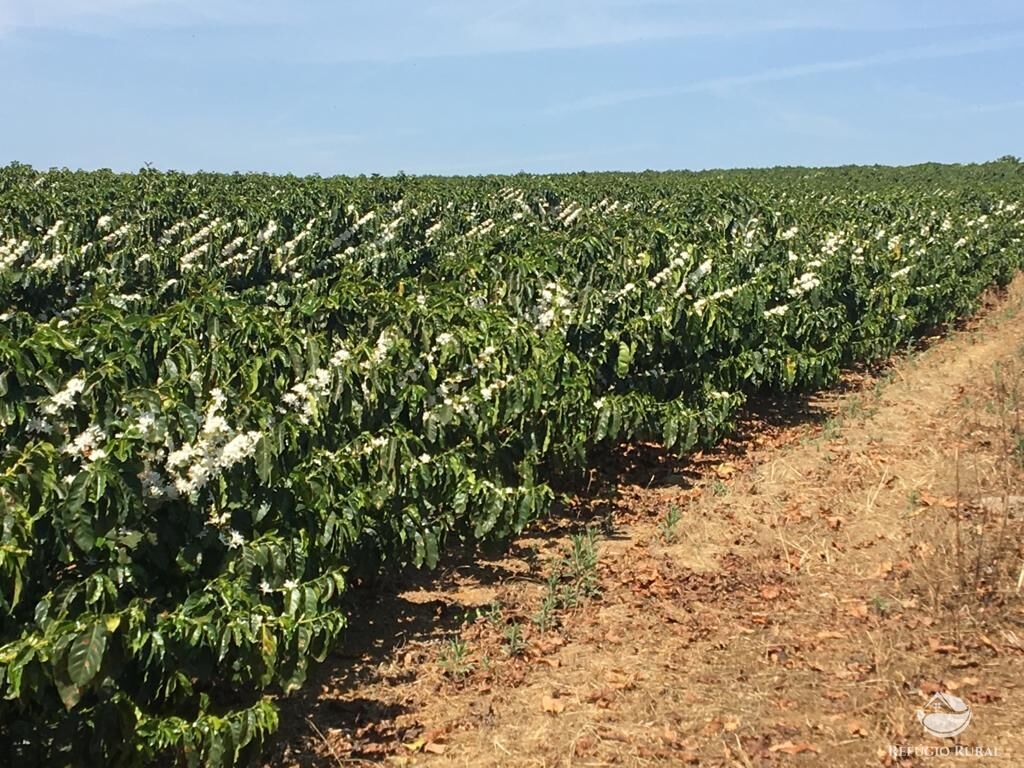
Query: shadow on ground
[[384, 621]]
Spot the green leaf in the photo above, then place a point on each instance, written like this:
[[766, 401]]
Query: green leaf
[[302, 639], [624, 359], [264, 459], [101, 483], [430, 540], [215, 751], [83, 534], [42, 612], [77, 493], [297, 676], [86, 654], [293, 601], [252, 379], [603, 419], [260, 513]]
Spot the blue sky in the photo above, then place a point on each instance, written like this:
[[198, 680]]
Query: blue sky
[[467, 86]]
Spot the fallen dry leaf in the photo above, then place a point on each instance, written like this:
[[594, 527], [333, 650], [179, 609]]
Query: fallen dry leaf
[[614, 637], [551, 642], [434, 734], [618, 680], [552, 705], [583, 746], [860, 611], [794, 747], [857, 728], [937, 646], [712, 727], [603, 697], [929, 500], [986, 696]]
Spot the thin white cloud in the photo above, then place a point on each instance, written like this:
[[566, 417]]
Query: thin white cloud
[[403, 30], [725, 84], [796, 120], [112, 16], [526, 25], [954, 108], [321, 140], [1002, 106], [394, 31], [531, 25]]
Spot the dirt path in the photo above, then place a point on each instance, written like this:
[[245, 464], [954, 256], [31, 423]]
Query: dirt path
[[794, 598]]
